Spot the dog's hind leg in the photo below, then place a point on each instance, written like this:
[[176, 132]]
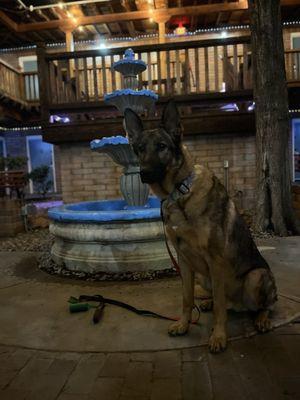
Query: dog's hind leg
[[259, 295], [203, 292], [181, 326]]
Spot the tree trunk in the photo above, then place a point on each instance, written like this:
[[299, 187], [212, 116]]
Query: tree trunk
[[273, 166]]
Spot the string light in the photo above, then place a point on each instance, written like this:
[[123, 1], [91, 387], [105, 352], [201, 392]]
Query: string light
[[21, 128], [139, 37]]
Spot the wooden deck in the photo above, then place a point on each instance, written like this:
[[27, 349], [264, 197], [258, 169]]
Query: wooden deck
[[201, 75]]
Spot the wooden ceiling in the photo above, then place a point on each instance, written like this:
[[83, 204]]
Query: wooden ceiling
[[118, 18]]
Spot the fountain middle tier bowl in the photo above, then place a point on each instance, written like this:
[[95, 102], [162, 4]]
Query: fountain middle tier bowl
[[137, 100], [108, 236]]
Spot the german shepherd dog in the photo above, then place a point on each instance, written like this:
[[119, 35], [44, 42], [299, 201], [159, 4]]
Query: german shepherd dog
[[207, 232]]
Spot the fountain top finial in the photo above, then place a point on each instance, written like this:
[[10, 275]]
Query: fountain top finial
[[129, 54], [128, 65]]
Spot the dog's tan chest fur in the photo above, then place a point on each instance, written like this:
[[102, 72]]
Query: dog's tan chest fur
[[188, 225]]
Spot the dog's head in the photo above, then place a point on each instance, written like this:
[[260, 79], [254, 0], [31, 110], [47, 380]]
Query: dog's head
[[158, 150]]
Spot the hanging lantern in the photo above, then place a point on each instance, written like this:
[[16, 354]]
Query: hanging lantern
[[180, 30]]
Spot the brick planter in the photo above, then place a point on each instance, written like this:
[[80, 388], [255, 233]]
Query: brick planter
[[296, 199], [11, 221]]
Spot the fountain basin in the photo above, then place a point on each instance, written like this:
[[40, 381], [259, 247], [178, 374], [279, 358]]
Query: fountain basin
[[108, 236]]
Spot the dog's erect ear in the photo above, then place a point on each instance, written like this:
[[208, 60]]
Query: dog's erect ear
[[171, 121], [133, 124]]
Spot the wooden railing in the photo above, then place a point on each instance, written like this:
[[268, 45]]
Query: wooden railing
[[10, 83], [172, 69], [18, 86]]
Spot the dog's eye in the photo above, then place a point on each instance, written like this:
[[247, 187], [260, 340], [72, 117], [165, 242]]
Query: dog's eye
[[161, 146]]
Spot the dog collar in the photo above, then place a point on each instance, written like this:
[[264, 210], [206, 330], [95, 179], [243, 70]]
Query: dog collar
[[183, 187]]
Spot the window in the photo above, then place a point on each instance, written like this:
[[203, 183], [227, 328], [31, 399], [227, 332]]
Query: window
[[29, 67], [296, 149], [295, 41], [2, 147], [40, 153]]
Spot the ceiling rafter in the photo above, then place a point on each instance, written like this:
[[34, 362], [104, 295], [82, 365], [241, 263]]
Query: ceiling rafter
[[92, 9], [138, 15], [130, 24], [68, 24]]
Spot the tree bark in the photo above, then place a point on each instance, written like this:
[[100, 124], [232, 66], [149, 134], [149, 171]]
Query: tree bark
[[273, 154]]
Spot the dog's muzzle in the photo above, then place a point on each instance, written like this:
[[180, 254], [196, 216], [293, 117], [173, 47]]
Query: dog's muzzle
[[155, 176]]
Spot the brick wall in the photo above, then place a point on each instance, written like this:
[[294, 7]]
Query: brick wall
[[87, 175], [239, 151]]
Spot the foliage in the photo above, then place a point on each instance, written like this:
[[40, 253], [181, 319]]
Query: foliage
[[12, 163], [40, 177]]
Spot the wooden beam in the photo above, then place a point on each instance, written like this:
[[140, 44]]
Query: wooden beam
[[8, 21], [136, 15], [205, 123], [131, 16]]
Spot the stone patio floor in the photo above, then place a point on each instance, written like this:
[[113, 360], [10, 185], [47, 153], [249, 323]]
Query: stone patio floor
[[45, 359]]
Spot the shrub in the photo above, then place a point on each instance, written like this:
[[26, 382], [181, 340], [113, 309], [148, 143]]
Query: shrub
[[40, 177]]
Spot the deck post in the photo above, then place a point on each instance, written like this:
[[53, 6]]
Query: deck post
[[43, 77]]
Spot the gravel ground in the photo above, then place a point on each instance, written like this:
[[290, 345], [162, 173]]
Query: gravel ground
[[40, 241]]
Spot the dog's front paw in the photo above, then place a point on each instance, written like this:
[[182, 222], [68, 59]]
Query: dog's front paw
[[262, 322], [178, 328], [217, 342]]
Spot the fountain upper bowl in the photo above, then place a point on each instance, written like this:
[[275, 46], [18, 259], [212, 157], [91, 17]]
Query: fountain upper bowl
[[105, 211]]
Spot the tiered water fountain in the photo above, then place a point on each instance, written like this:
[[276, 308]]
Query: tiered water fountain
[[114, 235]]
